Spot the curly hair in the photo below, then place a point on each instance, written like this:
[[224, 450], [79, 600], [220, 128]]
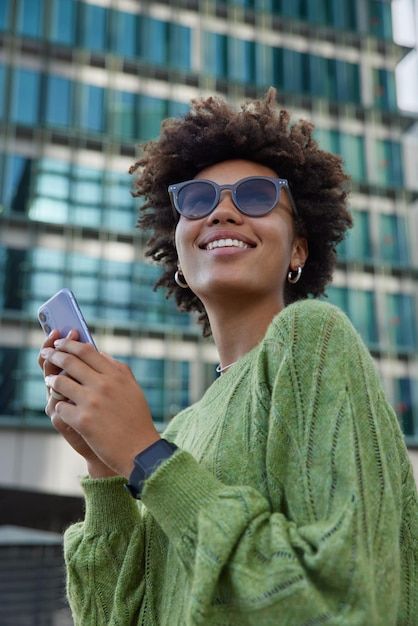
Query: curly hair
[[212, 132]]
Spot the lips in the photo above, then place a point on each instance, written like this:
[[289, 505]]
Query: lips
[[226, 234]]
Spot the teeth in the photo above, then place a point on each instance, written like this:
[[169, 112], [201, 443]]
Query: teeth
[[226, 243]]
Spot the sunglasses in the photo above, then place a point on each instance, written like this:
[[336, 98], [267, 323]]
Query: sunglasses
[[254, 196]]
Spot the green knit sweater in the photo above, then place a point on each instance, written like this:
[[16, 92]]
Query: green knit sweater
[[290, 502]]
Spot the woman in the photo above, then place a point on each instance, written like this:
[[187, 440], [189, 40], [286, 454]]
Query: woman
[[285, 495]]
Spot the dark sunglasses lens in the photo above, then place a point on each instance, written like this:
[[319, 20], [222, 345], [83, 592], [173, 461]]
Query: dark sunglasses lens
[[196, 199], [256, 197]]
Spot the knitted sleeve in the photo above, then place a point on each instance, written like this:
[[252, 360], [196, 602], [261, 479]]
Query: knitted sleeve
[[325, 547], [102, 586]]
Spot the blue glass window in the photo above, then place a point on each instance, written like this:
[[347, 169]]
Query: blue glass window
[[380, 19], [384, 88], [16, 185], [179, 49], [25, 100], [92, 108], [362, 312], [2, 90], [123, 109], [177, 109], [215, 54], [63, 21], [30, 17], [58, 102], [400, 322], [264, 65], [357, 244], [406, 405], [389, 163], [351, 149], [347, 81], [152, 111], [393, 244], [343, 14], [94, 28], [360, 308], [154, 40], [295, 74], [241, 60], [5, 12], [124, 28]]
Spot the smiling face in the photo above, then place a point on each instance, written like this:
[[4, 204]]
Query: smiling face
[[230, 255]]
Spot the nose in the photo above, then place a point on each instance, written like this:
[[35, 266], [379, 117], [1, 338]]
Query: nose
[[225, 211]]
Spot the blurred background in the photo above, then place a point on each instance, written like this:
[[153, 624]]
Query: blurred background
[[82, 82]]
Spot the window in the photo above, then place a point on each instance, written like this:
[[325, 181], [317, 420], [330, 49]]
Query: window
[[5, 13], [384, 89], [123, 113], [241, 60], [400, 322], [25, 97], [123, 35], [393, 244], [214, 54], [179, 48], [92, 116], [2, 90], [58, 102], [17, 182], [93, 36], [347, 82], [360, 307], [351, 148], [263, 65], [152, 111], [357, 244], [362, 312], [380, 19], [389, 163], [154, 39], [30, 18], [295, 71], [343, 14], [63, 21], [405, 404]]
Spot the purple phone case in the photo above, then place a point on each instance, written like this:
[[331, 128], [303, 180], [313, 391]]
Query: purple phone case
[[63, 313]]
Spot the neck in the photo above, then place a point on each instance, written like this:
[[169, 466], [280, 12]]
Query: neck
[[236, 329]]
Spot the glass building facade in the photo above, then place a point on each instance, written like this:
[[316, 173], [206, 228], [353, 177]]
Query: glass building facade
[[82, 82]]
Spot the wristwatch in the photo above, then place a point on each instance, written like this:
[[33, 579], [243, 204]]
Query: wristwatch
[[146, 462]]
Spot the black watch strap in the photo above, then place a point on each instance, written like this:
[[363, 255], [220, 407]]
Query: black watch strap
[[146, 462]]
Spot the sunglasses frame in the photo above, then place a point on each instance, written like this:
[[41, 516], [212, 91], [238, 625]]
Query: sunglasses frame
[[279, 183]]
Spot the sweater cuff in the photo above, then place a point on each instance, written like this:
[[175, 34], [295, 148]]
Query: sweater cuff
[[109, 507], [177, 491]]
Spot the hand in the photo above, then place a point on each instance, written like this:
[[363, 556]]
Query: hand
[[105, 404], [95, 466]]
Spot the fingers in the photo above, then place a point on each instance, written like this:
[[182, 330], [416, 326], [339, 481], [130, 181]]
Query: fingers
[[48, 343], [48, 368], [63, 387], [84, 352], [72, 364]]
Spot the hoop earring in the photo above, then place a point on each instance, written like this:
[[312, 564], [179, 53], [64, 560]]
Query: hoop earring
[[294, 279], [181, 283]]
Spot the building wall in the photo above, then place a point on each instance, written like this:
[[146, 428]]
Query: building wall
[[81, 82]]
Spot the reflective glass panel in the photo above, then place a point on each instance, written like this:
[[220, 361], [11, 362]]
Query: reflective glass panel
[[30, 17], [58, 102], [25, 97], [63, 21]]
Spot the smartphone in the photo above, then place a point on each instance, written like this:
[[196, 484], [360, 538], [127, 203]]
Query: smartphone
[[63, 313]]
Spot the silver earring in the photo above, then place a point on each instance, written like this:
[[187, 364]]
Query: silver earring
[[181, 283], [294, 279]]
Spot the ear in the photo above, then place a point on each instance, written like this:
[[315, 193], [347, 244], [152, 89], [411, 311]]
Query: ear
[[300, 253]]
